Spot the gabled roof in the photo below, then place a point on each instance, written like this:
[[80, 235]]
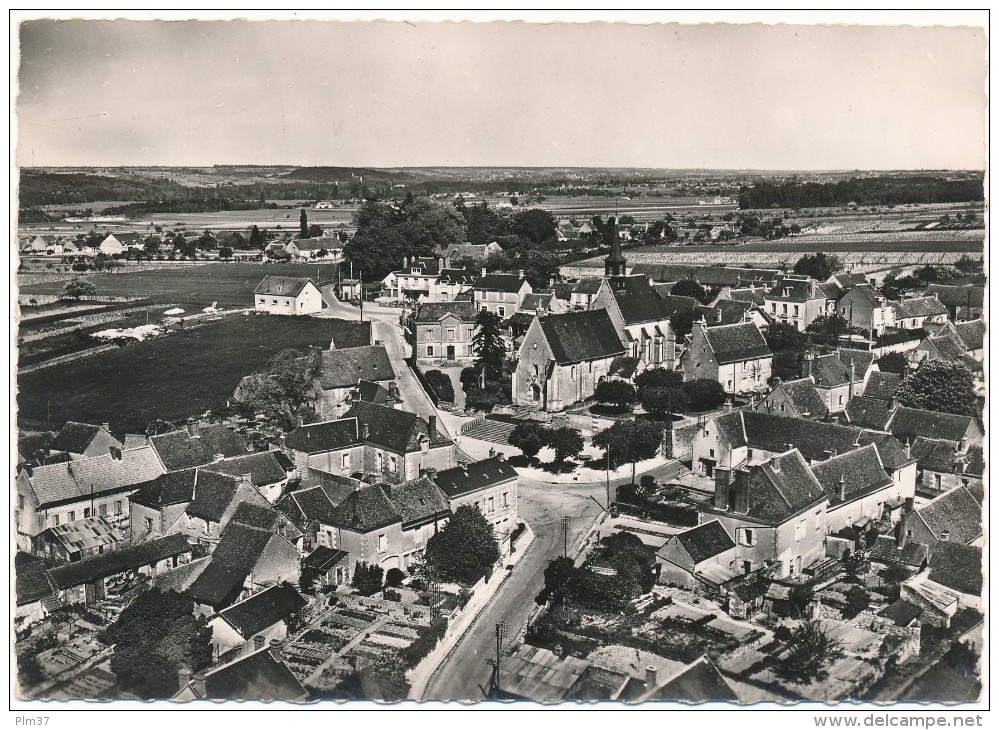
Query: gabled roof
[[240, 547], [705, 541], [282, 286], [29, 446], [32, 581], [860, 470], [958, 567], [118, 561], [263, 468], [213, 493], [748, 296], [313, 244], [344, 368], [265, 518], [869, 413], [472, 477], [882, 385], [326, 436], [833, 369], [174, 487], [217, 585], [375, 393], [74, 480], [637, 300], [946, 346], [437, 311], [458, 276], [179, 450], [776, 496], [889, 449], [901, 613], [588, 285], [395, 430], [726, 311], [323, 558], [972, 333], [508, 283], [262, 610], [313, 504], [845, 280], [957, 296], [535, 300], [707, 275], [736, 343], [918, 307], [581, 336], [868, 294], [886, 551], [942, 456], [803, 396], [417, 501], [364, 510], [87, 534], [676, 303], [914, 422], [699, 682], [74, 437], [957, 513], [774, 433], [795, 290], [256, 676]]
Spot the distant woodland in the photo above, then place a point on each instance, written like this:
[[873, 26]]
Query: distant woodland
[[862, 191]]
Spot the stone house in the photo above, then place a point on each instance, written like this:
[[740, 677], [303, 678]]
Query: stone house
[[254, 622], [501, 294], [735, 355], [442, 332], [287, 295], [798, 301], [489, 484]]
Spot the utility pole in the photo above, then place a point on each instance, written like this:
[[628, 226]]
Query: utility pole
[[607, 474], [565, 535], [360, 280], [501, 632]]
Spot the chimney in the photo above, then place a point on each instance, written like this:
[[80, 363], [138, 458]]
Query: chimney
[[775, 464], [258, 642], [492, 452], [944, 536], [908, 448], [501, 456], [432, 421], [183, 677], [650, 677], [722, 480], [826, 455], [740, 501], [365, 431], [440, 265], [908, 505], [198, 684], [106, 426], [276, 646], [718, 316], [193, 428], [281, 443], [247, 479], [301, 420], [483, 271], [962, 445], [832, 453], [393, 389], [520, 273], [115, 453], [809, 362], [405, 262], [853, 379], [841, 487], [219, 457]]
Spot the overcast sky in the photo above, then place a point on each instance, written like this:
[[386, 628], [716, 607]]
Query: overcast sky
[[395, 94]]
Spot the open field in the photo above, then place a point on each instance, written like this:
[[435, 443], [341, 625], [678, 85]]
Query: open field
[[173, 377], [231, 285], [830, 244]]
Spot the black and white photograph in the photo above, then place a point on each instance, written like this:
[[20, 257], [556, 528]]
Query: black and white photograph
[[552, 360]]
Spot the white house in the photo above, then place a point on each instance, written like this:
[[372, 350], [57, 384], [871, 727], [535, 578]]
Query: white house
[[287, 295]]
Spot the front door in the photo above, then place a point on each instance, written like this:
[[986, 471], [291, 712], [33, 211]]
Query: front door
[[450, 352]]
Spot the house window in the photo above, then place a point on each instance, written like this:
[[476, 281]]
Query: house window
[[471, 333], [782, 408], [393, 464], [749, 454], [382, 543], [346, 461], [117, 507], [262, 301], [795, 310], [711, 453], [20, 501], [572, 372], [841, 400], [430, 350], [501, 311], [55, 520], [506, 496], [747, 537], [71, 517], [450, 335], [783, 309], [799, 530], [936, 481], [535, 371], [103, 510], [149, 524], [273, 301], [492, 505], [86, 512]]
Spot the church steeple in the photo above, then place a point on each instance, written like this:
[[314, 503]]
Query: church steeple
[[615, 264]]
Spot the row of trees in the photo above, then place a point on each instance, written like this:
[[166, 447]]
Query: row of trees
[[882, 190], [530, 437], [661, 392]]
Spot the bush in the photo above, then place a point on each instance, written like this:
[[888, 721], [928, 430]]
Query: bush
[[440, 384], [615, 392], [483, 399], [80, 267], [367, 578], [648, 483], [530, 437], [704, 394], [394, 577], [391, 595], [658, 378], [783, 633]]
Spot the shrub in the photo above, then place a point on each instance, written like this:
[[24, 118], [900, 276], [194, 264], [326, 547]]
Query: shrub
[[391, 595], [783, 633], [394, 577], [615, 392], [704, 394], [648, 483], [81, 267], [441, 384], [530, 437], [658, 378]]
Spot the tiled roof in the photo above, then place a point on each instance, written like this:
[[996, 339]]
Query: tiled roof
[[699, 682], [581, 336], [418, 501], [257, 676], [705, 541], [869, 294], [775, 496], [436, 311], [943, 456], [733, 428], [748, 296], [846, 280], [955, 512], [174, 487], [118, 561], [535, 300], [972, 333], [637, 300], [624, 366], [282, 286], [675, 303], [726, 311], [390, 428], [323, 558], [179, 450], [736, 342], [958, 567], [869, 413], [811, 438], [706, 275], [366, 509], [344, 368], [312, 504], [217, 585], [313, 244], [860, 470], [882, 385], [262, 610], [795, 290], [588, 285], [886, 550], [803, 396], [75, 437], [86, 534], [915, 422], [240, 547], [325, 436], [31, 582], [889, 449], [508, 283], [834, 369], [213, 493], [265, 518], [28, 446], [263, 468], [947, 346], [375, 393], [957, 296], [472, 477], [902, 613], [79, 479], [918, 307]]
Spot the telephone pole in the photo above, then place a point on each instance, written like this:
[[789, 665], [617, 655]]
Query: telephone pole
[[565, 535], [360, 281], [501, 632], [607, 474]]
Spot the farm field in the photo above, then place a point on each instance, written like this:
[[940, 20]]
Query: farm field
[[172, 377], [829, 244], [231, 284]]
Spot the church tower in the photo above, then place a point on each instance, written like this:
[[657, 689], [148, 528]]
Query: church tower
[[615, 264]]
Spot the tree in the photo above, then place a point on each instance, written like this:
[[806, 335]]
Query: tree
[[488, 345], [963, 657], [658, 378], [536, 225], [76, 288], [810, 649], [940, 385], [155, 636], [780, 336], [662, 401], [225, 253], [857, 600], [367, 579], [560, 577], [682, 321], [257, 240], [630, 441], [315, 231], [689, 288], [483, 399], [441, 384], [566, 442], [303, 225], [831, 327], [704, 394], [466, 549], [818, 265], [151, 244], [530, 437], [394, 577], [893, 362], [618, 393]]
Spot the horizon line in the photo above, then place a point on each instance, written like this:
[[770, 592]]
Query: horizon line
[[520, 167]]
